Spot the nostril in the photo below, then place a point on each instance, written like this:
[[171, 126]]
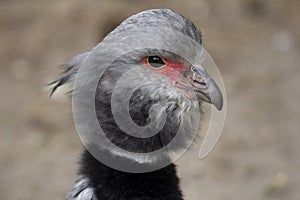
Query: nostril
[[199, 83], [202, 82]]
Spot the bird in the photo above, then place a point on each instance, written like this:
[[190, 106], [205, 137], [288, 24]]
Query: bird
[[153, 76]]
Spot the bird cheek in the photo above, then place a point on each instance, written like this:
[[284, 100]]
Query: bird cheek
[[175, 78], [173, 75]]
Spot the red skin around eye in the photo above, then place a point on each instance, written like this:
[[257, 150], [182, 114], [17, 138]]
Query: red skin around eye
[[171, 69]]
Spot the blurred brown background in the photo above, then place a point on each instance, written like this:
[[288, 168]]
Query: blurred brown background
[[256, 45]]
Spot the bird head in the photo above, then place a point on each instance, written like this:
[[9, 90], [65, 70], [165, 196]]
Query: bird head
[[146, 95]]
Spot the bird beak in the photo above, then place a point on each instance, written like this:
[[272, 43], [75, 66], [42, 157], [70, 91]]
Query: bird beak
[[205, 87]]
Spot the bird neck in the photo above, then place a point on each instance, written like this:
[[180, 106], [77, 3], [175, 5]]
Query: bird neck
[[111, 184]]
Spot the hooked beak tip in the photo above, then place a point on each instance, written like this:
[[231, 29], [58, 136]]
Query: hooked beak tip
[[218, 101]]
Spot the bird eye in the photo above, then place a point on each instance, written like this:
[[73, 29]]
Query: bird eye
[[155, 62]]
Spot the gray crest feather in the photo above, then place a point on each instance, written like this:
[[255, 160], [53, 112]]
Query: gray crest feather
[[161, 18], [70, 70]]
